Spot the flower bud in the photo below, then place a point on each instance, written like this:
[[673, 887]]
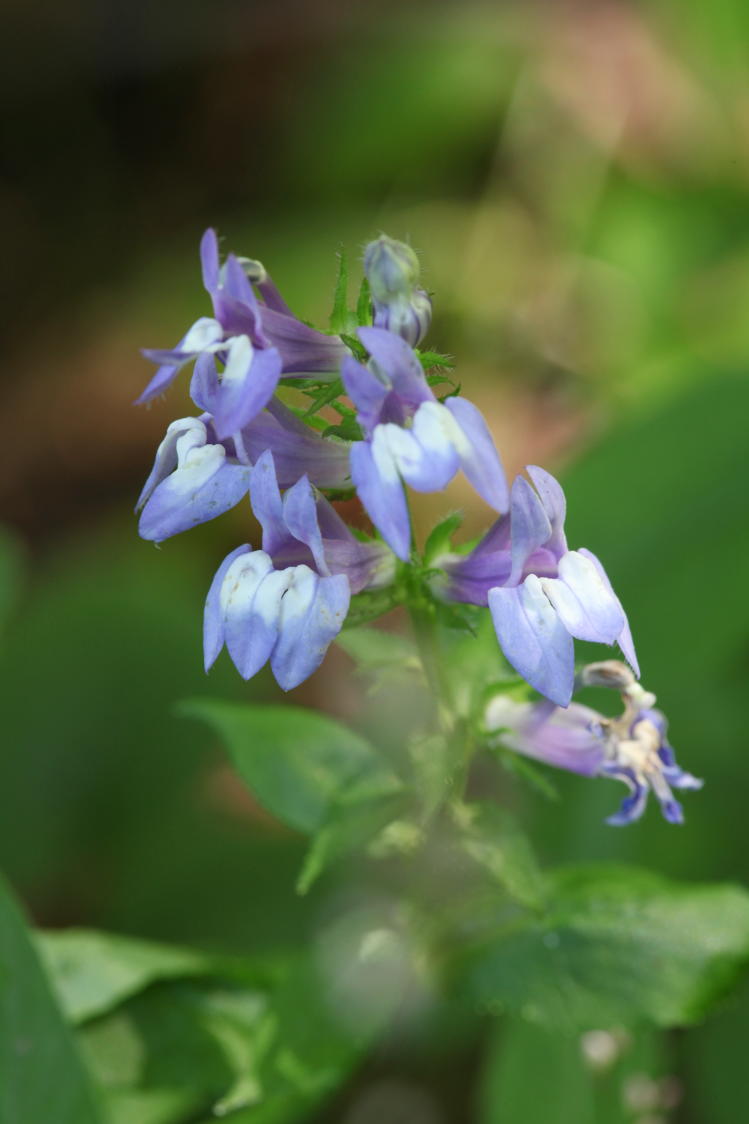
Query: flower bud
[[392, 270]]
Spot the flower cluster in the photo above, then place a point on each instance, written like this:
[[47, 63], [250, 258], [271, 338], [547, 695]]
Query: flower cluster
[[285, 602]]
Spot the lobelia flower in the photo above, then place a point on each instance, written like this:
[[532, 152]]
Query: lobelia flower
[[288, 601], [392, 270], [632, 748], [197, 477], [256, 343], [412, 438], [540, 593]]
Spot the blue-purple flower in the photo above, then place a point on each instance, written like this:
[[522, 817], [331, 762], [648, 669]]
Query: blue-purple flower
[[540, 593], [197, 477], [392, 270], [632, 748], [286, 602], [412, 438], [255, 342]]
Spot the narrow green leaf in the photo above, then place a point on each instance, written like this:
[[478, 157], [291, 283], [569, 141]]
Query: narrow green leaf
[[617, 945], [364, 305], [41, 1075], [430, 359], [296, 761], [324, 397], [439, 539], [339, 317]]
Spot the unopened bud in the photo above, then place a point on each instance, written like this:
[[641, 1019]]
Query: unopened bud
[[392, 270]]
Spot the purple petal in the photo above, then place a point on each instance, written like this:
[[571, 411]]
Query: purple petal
[[529, 526], [303, 349], [554, 504], [565, 738], [213, 618], [272, 296], [265, 497], [478, 454], [366, 565], [381, 492], [471, 576], [209, 261], [300, 517], [586, 604], [324, 460], [203, 488], [205, 333], [312, 614], [163, 378], [248, 382], [633, 806], [533, 638], [366, 392], [624, 639], [205, 385], [399, 364]]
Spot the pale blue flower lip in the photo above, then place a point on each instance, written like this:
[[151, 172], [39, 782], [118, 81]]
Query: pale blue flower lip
[[286, 602], [411, 438], [196, 477], [540, 593]]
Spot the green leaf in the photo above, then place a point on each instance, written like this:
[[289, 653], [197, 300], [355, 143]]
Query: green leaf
[[177, 1050], [491, 837], [340, 320], [592, 1076], [297, 762], [430, 359], [364, 305], [617, 945], [324, 397], [93, 972], [373, 603], [439, 540], [41, 1076], [348, 828]]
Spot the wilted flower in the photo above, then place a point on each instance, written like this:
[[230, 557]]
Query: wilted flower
[[632, 748], [411, 437], [540, 593], [392, 270], [288, 601]]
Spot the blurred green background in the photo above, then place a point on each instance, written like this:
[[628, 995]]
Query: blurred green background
[[576, 179]]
